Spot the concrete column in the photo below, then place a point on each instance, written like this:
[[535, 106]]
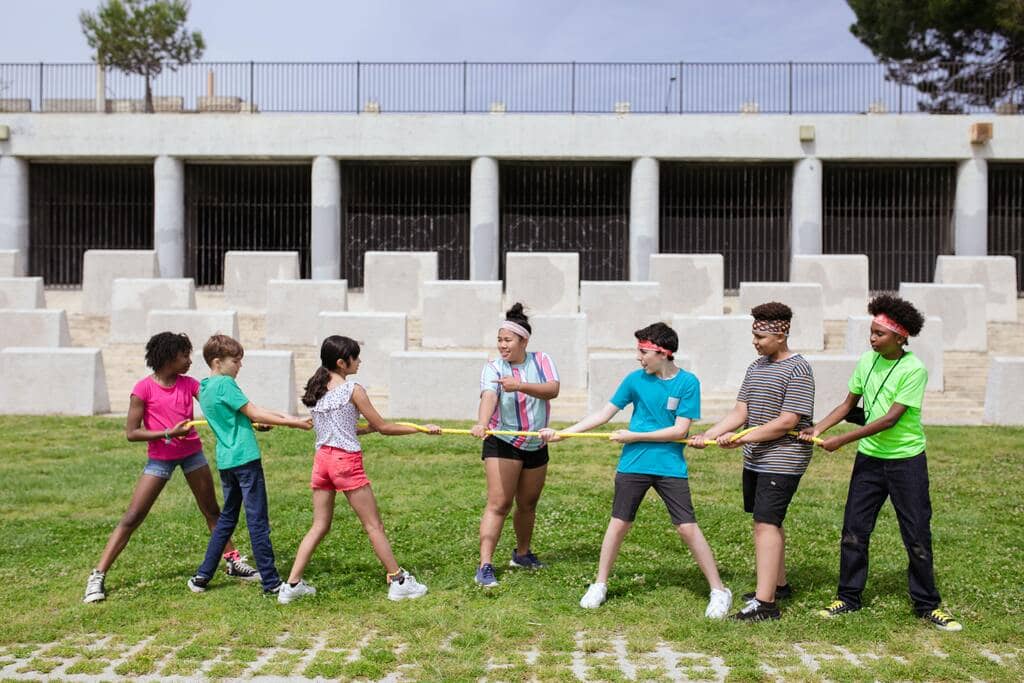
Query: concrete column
[[970, 221], [169, 215], [101, 89], [484, 219], [643, 217], [14, 205], [325, 238], [806, 226]]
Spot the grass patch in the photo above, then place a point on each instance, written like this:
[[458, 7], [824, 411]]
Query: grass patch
[[67, 481]]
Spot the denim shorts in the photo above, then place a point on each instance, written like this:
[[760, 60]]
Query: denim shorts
[[165, 468]]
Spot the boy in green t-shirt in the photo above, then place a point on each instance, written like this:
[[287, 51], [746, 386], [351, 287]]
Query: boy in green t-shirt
[[230, 415], [890, 461]]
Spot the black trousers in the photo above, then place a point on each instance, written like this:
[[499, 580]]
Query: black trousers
[[905, 481]]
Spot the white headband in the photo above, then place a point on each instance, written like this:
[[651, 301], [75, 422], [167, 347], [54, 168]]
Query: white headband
[[516, 328]]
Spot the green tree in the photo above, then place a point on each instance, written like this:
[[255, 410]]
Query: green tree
[[958, 53], [142, 37]]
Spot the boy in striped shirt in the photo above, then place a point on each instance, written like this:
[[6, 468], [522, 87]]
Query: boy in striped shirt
[[777, 396]]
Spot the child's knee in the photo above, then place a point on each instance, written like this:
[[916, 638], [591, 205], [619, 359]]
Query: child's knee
[[688, 531], [499, 507], [131, 519]]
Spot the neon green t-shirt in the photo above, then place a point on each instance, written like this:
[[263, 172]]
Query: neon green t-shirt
[[905, 385], [222, 400]]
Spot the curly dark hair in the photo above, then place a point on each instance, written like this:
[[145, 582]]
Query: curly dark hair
[[517, 315], [662, 335], [772, 310], [164, 347], [333, 349], [900, 310]]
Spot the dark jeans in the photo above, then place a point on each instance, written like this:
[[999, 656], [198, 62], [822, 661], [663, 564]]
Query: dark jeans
[[243, 485], [905, 481]]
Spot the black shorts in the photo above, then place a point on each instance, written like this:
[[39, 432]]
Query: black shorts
[[496, 448], [630, 490], [768, 495]]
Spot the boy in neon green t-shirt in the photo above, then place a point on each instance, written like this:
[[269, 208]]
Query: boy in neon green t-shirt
[[890, 461]]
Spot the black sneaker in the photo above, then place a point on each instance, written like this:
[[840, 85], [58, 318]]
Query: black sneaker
[[942, 620], [198, 584], [755, 610], [273, 591], [781, 593], [835, 608], [238, 568]]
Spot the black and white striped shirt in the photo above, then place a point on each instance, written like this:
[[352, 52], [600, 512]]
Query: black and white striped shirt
[[770, 388]]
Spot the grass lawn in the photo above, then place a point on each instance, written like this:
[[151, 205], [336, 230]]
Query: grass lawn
[[65, 482]]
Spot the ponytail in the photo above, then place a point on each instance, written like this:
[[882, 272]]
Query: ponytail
[[333, 349], [316, 387]]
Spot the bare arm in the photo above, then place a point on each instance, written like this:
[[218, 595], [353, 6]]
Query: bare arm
[[595, 419], [733, 420], [134, 431], [488, 404], [772, 430], [676, 432], [361, 401], [871, 428], [832, 419], [272, 417], [545, 391]]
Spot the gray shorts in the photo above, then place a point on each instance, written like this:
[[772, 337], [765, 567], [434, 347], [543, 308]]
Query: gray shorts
[[165, 468], [630, 490]]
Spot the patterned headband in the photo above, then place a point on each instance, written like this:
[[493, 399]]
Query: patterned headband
[[890, 324], [772, 326], [516, 328]]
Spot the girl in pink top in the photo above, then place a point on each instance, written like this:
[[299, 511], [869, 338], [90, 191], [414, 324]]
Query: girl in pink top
[[161, 405]]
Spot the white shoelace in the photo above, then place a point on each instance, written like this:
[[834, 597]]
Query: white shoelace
[[751, 606]]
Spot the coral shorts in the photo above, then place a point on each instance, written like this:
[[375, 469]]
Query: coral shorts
[[335, 469]]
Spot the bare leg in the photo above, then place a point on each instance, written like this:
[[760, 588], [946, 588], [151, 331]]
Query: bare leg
[[201, 482], [768, 554], [613, 537], [323, 515], [502, 480], [531, 483], [782, 559], [701, 551], [147, 490], [365, 506]]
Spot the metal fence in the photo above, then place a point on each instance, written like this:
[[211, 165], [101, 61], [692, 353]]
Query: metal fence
[[76, 207], [900, 215], [520, 87], [1006, 214], [741, 211]]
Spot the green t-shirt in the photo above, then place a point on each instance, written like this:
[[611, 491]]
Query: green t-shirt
[[905, 385], [221, 400]]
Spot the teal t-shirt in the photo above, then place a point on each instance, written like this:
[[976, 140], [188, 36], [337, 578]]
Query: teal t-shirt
[[221, 400], [905, 385], [656, 405]]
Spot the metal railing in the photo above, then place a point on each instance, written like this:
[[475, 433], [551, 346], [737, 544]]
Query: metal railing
[[516, 87]]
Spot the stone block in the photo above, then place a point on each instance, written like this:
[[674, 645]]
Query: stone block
[[719, 346], [545, 282], [461, 313], [393, 280], [197, 325], [961, 307], [997, 274], [691, 284], [805, 298], [615, 310], [1004, 401], [832, 374], [22, 292], [380, 335], [294, 307], [133, 299], [247, 273], [100, 267], [268, 380], [12, 263], [927, 346], [564, 338], [435, 385], [843, 279], [34, 327], [606, 370], [82, 382]]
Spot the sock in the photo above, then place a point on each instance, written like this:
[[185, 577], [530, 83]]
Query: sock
[[293, 585], [232, 556], [769, 605]]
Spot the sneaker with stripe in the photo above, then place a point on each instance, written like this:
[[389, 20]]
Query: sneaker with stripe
[[942, 620]]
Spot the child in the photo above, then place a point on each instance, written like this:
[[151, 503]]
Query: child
[[890, 461], [335, 403], [666, 399], [230, 415], [777, 395], [515, 394], [159, 407]]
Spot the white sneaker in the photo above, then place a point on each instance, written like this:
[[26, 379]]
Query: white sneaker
[[290, 593], [594, 596], [719, 604], [405, 587], [94, 590]]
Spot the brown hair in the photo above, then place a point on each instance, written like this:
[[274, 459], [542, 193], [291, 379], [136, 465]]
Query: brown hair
[[772, 310], [221, 346]]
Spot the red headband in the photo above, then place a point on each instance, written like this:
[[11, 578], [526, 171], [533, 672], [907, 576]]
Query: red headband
[[890, 324], [647, 345]]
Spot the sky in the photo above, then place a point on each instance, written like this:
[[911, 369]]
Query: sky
[[471, 30]]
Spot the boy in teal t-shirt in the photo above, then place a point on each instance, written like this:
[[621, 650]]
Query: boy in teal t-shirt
[[890, 461], [230, 415], [666, 399]]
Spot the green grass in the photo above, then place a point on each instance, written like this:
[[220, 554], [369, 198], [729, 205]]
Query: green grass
[[65, 482]]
